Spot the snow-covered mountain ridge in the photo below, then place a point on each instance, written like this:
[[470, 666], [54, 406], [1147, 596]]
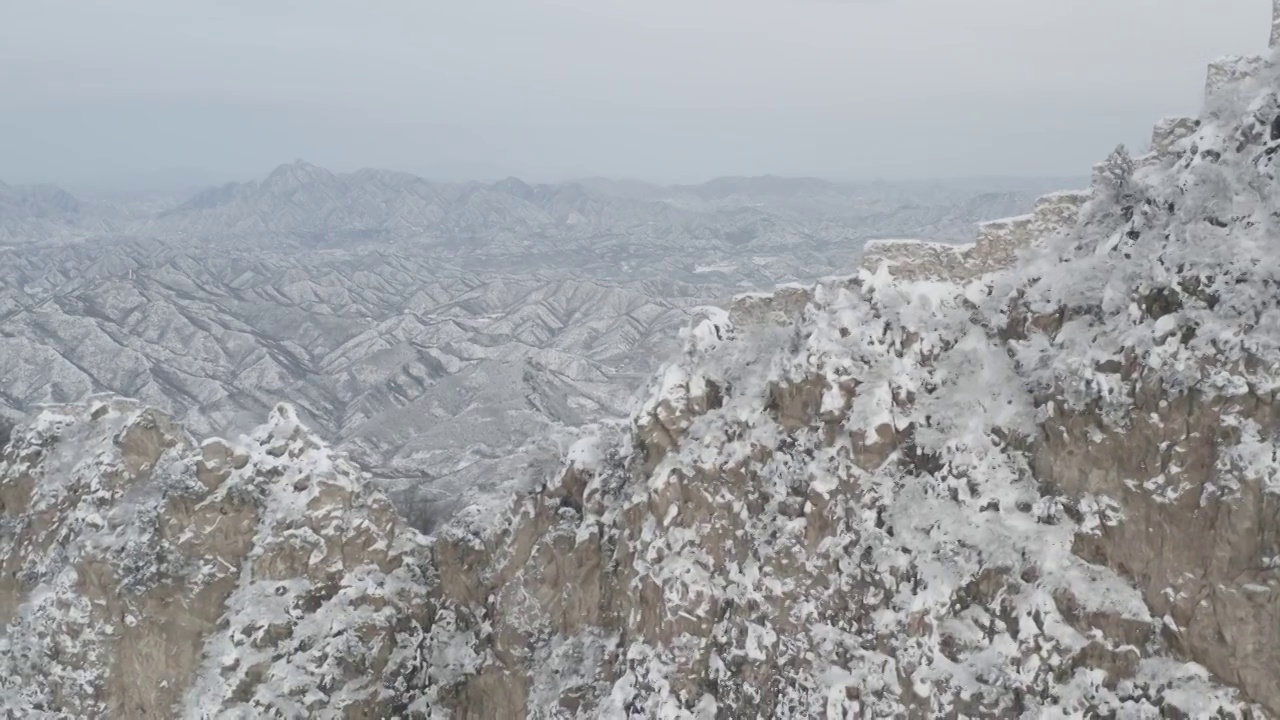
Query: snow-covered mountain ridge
[[316, 207], [984, 483], [442, 353]]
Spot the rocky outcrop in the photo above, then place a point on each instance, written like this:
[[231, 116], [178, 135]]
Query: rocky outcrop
[[1033, 476], [996, 247], [838, 533], [146, 576], [1167, 133], [1198, 536], [1228, 72]]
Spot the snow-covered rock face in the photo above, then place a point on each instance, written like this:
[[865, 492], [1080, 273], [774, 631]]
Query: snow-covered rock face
[[1035, 477], [1150, 336], [995, 248], [938, 487], [146, 577]]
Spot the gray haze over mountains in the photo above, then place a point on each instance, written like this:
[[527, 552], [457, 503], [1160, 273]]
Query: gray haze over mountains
[[103, 94], [450, 337]]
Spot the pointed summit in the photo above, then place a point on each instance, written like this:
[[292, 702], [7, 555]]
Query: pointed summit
[[296, 173], [514, 186]]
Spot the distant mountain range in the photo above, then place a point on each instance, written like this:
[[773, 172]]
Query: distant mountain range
[[431, 329], [306, 201]]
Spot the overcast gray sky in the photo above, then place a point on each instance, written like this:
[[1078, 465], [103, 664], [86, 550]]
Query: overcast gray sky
[[670, 90]]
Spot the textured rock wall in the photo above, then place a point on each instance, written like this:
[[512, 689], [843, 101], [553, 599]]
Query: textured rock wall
[[813, 561], [996, 248], [1199, 544], [145, 576], [780, 518]]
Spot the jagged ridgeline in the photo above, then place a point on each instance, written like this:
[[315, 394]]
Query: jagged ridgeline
[[1035, 476]]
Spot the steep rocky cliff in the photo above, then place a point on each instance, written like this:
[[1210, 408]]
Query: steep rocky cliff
[[1033, 477], [146, 576]]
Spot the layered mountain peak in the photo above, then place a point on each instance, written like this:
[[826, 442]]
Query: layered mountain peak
[[36, 201], [514, 186], [298, 172]]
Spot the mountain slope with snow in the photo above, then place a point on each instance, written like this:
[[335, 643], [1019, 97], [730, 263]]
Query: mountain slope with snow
[[1032, 477], [1043, 490], [440, 334]]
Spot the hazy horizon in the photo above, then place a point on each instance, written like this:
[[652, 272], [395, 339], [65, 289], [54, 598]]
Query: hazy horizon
[[663, 91], [194, 179]]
